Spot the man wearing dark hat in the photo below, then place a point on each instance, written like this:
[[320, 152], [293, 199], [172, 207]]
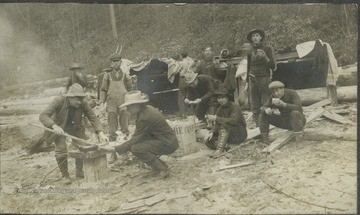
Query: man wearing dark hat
[[260, 62], [153, 136], [282, 110], [64, 115], [230, 124], [77, 75], [200, 92]]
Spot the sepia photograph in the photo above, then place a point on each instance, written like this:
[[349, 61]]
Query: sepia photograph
[[178, 108]]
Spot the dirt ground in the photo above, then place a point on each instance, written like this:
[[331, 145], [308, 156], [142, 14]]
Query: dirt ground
[[317, 175]]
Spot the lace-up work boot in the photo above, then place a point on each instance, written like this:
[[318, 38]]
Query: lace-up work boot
[[222, 140], [79, 168]]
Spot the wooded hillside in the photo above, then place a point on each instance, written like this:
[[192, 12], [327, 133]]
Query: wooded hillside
[[38, 41]]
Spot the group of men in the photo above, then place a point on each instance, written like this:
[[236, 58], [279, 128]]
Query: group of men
[[201, 89]]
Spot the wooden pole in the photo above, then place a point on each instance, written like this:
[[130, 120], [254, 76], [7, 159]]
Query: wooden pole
[[113, 20]]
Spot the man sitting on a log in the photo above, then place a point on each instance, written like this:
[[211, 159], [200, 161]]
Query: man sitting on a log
[[230, 124], [283, 109], [153, 136], [64, 114]]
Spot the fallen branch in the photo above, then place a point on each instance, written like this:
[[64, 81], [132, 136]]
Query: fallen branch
[[235, 165], [300, 199]]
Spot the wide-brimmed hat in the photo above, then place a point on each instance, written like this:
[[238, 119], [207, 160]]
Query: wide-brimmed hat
[[190, 77], [76, 66], [276, 84], [115, 57], [222, 92], [75, 90], [261, 32], [135, 97]]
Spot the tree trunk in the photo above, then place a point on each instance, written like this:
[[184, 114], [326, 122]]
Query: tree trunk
[[348, 76], [113, 21], [313, 95]]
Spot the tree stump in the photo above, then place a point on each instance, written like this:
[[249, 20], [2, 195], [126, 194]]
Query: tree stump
[[95, 164]]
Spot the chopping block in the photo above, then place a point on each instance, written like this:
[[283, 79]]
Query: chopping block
[[95, 164]]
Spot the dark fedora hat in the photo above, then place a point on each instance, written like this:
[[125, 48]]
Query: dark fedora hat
[[222, 91], [253, 31]]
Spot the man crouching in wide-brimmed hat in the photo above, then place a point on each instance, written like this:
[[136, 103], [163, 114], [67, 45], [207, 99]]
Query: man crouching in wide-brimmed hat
[[230, 124], [153, 136], [282, 110], [64, 115]]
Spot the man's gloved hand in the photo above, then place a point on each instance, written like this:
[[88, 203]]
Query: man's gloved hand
[[57, 129], [187, 101], [123, 148], [103, 137]]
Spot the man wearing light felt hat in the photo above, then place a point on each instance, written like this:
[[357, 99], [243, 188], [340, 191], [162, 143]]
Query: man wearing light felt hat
[[64, 114], [153, 136], [283, 110]]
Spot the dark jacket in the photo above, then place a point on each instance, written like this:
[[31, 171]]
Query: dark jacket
[[230, 117], [205, 88], [57, 113], [151, 124], [258, 66], [292, 100], [210, 67]]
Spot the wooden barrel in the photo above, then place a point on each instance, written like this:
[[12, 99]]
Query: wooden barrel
[[185, 133]]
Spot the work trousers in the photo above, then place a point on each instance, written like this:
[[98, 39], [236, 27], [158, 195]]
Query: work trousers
[[259, 92], [149, 149], [295, 121], [60, 141], [122, 117]]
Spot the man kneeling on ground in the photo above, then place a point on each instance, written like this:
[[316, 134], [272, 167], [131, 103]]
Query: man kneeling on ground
[[283, 110], [230, 125], [153, 136]]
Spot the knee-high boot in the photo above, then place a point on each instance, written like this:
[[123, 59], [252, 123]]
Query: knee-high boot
[[63, 166], [256, 119], [79, 168], [222, 140]]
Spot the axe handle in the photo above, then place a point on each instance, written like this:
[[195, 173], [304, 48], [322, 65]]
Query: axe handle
[[66, 135]]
